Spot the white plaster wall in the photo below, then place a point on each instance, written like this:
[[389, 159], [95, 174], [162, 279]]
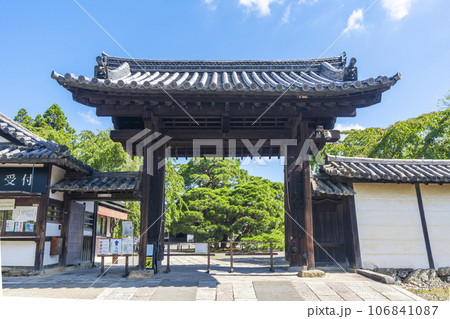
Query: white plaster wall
[[4, 140], [436, 204], [48, 259], [57, 175], [89, 206], [389, 226], [57, 195], [53, 230], [18, 253]]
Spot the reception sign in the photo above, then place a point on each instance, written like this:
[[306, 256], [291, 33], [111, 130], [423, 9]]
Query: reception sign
[[23, 179]]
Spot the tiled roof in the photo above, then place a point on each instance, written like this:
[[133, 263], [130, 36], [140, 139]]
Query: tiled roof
[[323, 185], [314, 76], [388, 170], [27, 147], [101, 182]]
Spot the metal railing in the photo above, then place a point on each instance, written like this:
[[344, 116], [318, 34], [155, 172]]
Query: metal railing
[[228, 249]]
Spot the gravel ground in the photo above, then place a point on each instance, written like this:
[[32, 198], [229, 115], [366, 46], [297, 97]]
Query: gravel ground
[[430, 292]]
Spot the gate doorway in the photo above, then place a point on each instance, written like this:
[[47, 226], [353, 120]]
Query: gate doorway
[[276, 106], [332, 235]]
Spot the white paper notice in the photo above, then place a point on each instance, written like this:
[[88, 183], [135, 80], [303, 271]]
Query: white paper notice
[[201, 248], [103, 246], [115, 247], [149, 250], [25, 214], [127, 246], [127, 229], [18, 228], [7, 204], [9, 226]]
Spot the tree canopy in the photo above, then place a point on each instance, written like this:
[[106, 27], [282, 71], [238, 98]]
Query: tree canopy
[[222, 202], [426, 136], [53, 118]]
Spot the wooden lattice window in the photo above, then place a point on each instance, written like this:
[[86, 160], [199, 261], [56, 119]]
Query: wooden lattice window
[[55, 212], [89, 221]]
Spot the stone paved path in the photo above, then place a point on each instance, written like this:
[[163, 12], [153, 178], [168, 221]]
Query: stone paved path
[[188, 281]]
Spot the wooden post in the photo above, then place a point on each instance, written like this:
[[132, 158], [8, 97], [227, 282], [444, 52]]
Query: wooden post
[[307, 202], [168, 257], [294, 207], [231, 257], [423, 221], [209, 260], [310, 261], [94, 232], [41, 224], [354, 232], [271, 257], [102, 267]]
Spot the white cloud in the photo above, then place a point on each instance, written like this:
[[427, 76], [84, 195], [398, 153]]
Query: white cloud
[[89, 117], [355, 21], [308, 2], [397, 9], [261, 6], [211, 4], [348, 127], [286, 15]]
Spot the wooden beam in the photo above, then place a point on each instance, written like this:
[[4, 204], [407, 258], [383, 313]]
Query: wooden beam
[[424, 226], [190, 134], [122, 196]]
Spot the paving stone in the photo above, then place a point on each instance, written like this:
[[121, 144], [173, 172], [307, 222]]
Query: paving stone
[[389, 292], [188, 281], [224, 292], [408, 293], [304, 291], [121, 294], [105, 293], [175, 294], [206, 294], [365, 292], [343, 291], [243, 291], [143, 293], [322, 290], [276, 291]]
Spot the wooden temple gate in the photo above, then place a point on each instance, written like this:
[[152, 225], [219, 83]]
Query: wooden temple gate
[[239, 102]]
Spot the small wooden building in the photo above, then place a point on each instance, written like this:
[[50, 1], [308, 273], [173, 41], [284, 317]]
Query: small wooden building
[[382, 213], [48, 201]]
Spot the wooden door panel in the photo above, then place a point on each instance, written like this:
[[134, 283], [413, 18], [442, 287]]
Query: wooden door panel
[[75, 234], [329, 232]]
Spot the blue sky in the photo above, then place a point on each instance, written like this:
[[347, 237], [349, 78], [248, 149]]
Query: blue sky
[[410, 36]]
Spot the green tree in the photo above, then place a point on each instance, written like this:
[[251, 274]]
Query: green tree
[[426, 136], [23, 117], [223, 202], [55, 118], [174, 190], [100, 152]]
